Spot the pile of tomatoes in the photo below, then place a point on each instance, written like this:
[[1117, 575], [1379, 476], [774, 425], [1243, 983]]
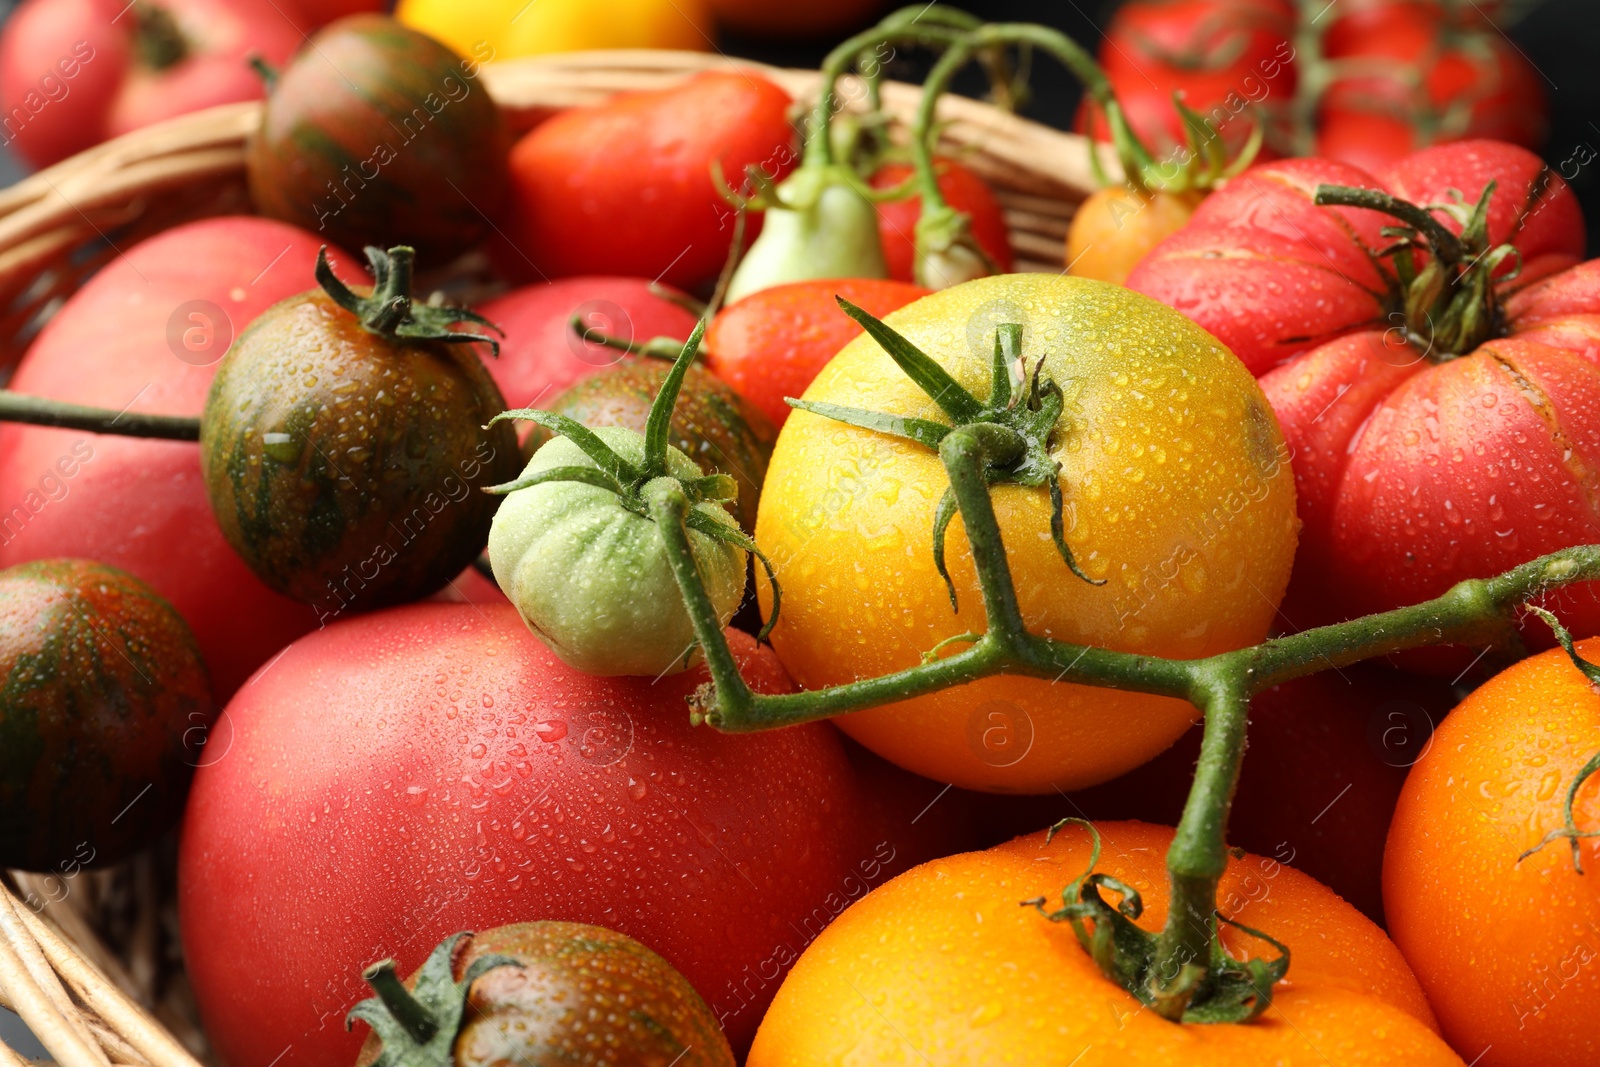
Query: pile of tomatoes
[[388, 669]]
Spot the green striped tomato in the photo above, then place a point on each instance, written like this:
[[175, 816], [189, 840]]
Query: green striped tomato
[[104, 707]]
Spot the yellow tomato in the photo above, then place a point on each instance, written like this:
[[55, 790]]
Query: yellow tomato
[[1116, 227], [942, 966], [505, 29], [1179, 496]]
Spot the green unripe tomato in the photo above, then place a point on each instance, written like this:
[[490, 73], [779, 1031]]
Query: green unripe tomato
[[590, 576]]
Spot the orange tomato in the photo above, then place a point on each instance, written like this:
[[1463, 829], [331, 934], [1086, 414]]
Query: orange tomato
[[1508, 951], [1116, 227], [942, 966], [1177, 495]]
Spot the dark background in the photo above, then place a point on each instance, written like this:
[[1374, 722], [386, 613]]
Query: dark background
[[1560, 37]]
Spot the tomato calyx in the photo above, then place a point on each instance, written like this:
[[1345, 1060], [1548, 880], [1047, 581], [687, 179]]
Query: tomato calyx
[[158, 41], [389, 310], [636, 484], [1013, 430], [419, 1026], [1568, 830], [1444, 282], [1226, 990]]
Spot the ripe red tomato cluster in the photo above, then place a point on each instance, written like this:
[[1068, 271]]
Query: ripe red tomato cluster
[[1390, 76]]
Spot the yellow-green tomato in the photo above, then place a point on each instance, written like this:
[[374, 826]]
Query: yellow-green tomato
[[590, 576], [1178, 496]]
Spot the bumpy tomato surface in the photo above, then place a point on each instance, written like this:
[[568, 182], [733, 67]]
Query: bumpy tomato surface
[[942, 966], [1177, 495], [1507, 949], [403, 775]]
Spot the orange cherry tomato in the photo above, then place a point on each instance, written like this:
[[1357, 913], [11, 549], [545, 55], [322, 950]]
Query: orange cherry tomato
[[1117, 227]]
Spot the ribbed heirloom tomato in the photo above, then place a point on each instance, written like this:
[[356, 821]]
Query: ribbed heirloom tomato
[[1177, 497], [1507, 948], [942, 966], [1437, 433]]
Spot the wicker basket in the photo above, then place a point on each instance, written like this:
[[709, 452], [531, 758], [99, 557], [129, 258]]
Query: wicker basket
[[91, 961]]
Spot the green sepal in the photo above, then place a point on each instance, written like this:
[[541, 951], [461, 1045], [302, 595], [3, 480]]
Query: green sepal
[[1022, 423], [1228, 991], [419, 1027], [931, 378], [659, 423], [922, 431], [608, 461], [389, 310], [1569, 831], [587, 475]]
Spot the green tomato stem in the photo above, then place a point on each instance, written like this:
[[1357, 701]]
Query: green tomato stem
[[42, 411], [1221, 686], [405, 1008]]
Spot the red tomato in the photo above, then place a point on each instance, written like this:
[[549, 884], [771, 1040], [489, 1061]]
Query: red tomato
[[75, 72], [541, 354], [1222, 56], [773, 342], [964, 190], [626, 187], [146, 333], [1474, 84], [403, 775], [1413, 470], [315, 13], [1328, 757]]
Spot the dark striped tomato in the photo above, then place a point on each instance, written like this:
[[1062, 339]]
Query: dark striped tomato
[[711, 423], [353, 481], [379, 135], [104, 706]]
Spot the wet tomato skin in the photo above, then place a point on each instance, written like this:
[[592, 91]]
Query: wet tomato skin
[[403, 775], [148, 332], [541, 354], [565, 976], [104, 705], [1504, 943], [771, 344]]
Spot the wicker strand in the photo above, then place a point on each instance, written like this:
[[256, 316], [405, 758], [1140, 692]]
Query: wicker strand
[[54, 1032], [120, 1013], [27, 950]]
